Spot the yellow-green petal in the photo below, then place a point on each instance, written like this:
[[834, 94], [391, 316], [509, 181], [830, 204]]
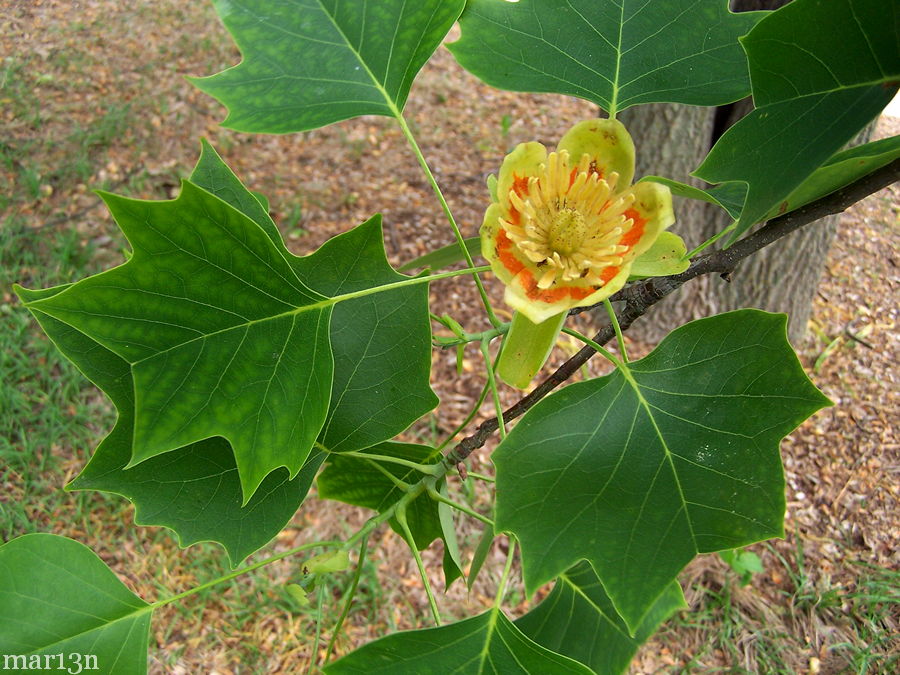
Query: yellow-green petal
[[524, 161], [607, 142]]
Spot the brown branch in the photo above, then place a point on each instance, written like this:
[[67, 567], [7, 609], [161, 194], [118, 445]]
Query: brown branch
[[639, 297]]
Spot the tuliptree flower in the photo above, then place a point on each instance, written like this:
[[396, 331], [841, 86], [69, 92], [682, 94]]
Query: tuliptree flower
[[563, 230]]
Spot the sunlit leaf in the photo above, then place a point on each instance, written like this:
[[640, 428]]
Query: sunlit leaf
[[212, 346], [308, 63], [637, 472], [58, 597], [221, 336], [577, 619], [820, 72], [488, 643], [613, 52], [381, 343]]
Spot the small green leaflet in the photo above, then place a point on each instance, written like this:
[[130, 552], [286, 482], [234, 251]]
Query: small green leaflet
[[373, 484], [309, 63], [487, 643], [615, 53], [58, 597], [639, 471], [820, 72], [577, 619]]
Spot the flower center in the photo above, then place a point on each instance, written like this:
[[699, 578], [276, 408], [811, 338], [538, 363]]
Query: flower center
[[569, 221], [567, 231]]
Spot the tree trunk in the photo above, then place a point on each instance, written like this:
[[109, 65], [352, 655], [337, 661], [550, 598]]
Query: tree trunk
[[671, 141]]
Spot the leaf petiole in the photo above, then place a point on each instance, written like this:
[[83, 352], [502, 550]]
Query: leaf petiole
[[492, 383], [400, 516], [438, 497], [709, 242], [351, 594], [614, 320], [428, 469]]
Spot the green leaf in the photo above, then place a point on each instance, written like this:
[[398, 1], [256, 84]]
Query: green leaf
[[842, 169], [325, 563], [444, 256], [728, 196], [373, 484], [820, 72], [666, 256], [744, 563], [194, 490], [308, 63], [488, 643], [381, 343], [612, 52], [639, 471], [216, 177], [222, 337], [480, 555], [578, 619], [58, 597], [452, 561]]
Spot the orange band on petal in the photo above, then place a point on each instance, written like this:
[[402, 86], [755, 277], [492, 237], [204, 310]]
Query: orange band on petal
[[581, 292], [505, 254], [608, 273], [520, 185], [633, 235]]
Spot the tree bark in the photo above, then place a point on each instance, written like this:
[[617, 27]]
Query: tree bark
[[671, 140]]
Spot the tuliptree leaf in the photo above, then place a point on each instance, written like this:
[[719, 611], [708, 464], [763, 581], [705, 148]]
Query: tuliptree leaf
[[820, 72], [58, 598], [578, 619], [842, 169], [373, 484], [728, 196], [194, 490], [381, 343], [488, 643], [308, 63], [227, 344], [615, 53], [221, 336], [639, 471]]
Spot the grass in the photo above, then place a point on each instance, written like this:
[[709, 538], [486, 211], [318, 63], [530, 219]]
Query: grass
[[817, 625]]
